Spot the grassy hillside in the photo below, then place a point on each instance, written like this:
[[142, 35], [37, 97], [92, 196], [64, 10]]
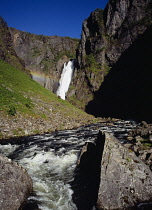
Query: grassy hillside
[[28, 108]]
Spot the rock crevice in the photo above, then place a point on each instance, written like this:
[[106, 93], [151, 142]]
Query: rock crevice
[[87, 174]]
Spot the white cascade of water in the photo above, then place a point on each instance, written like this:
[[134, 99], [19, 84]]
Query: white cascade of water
[[65, 79]]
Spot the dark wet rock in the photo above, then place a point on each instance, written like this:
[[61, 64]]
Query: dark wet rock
[[30, 205], [143, 130], [15, 185]]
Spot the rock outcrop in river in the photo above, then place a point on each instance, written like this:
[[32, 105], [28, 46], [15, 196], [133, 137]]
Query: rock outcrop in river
[[15, 185], [110, 175], [125, 180]]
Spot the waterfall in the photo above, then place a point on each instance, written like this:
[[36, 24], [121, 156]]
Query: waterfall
[[65, 79]]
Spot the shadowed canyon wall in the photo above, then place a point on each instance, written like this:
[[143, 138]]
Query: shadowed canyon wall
[[114, 55], [106, 35], [126, 91]]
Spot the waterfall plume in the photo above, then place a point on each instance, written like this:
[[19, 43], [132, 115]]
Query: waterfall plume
[[65, 79]]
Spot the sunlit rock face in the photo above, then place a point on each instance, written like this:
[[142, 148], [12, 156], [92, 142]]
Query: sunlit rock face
[[110, 176], [125, 180], [125, 20], [7, 52]]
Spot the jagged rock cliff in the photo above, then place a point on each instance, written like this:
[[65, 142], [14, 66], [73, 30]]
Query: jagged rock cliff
[[125, 93], [108, 45], [7, 52], [92, 65], [106, 35], [44, 56], [125, 20]]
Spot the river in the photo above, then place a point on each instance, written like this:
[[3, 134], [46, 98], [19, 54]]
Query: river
[[50, 159]]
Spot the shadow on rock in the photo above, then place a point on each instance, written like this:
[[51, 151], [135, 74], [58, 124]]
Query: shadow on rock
[[87, 174]]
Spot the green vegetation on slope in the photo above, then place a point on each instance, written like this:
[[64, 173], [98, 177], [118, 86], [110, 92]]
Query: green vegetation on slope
[[24, 101]]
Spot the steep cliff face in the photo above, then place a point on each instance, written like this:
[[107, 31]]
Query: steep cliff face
[[107, 37], [44, 56], [126, 91], [125, 20], [7, 52], [92, 65], [107, 34]]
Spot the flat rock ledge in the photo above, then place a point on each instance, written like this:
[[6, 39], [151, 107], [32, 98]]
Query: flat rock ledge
[[15, 185]]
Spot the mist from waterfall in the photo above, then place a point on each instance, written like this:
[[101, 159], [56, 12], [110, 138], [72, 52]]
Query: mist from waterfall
[[65, 79]]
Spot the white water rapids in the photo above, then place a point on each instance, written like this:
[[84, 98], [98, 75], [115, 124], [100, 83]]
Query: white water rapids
[[50, 159], [51, 173], [65, 79]]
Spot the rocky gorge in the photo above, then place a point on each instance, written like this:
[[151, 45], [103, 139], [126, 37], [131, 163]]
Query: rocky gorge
[[106, 165], [98, 167]]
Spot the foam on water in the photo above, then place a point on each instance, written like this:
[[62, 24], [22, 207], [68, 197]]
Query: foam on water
[[7, 149], [51, 174]]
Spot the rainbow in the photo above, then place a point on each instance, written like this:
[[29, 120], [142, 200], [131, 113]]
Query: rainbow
[[37, 76], [45, 80]]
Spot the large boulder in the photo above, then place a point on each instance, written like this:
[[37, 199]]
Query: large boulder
[[15, 184], [109, 176], [125, 180]]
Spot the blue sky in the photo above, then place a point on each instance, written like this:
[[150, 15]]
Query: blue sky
[[49, 17]]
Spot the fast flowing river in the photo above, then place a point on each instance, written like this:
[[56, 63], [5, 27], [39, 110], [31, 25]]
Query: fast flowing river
[[50, 160]]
